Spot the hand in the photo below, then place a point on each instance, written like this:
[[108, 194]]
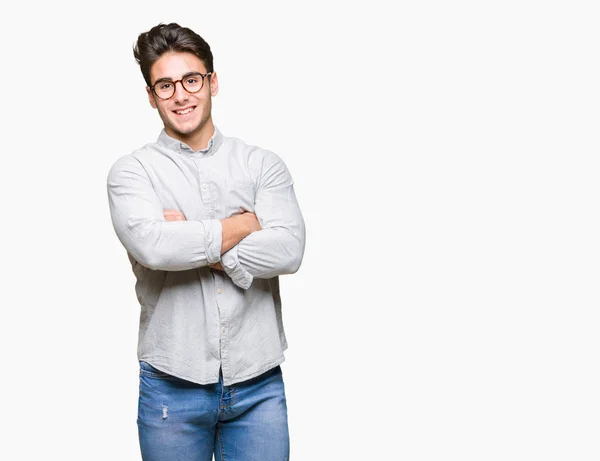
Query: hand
[[216, 266], [250, 220], [174, 215]]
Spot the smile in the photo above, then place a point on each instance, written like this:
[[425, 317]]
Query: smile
[[184, 111]]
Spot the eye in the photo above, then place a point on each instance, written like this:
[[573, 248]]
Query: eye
[[191, 80], [165, 86]]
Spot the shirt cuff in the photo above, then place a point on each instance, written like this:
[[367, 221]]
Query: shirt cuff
[[213, 237], [232, 267]]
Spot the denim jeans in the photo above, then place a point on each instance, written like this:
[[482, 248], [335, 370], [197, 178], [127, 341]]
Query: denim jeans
[[182, 421]]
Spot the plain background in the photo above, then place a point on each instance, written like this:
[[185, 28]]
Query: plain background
[[446, 161]]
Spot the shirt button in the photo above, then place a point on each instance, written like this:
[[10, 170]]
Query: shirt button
[[223, 330], [220, 290], [204, 186]]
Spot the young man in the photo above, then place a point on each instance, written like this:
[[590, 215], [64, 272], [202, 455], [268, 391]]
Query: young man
[[209, 223]]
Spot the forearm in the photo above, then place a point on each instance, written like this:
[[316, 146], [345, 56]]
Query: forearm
[[170, 246], [271, 252], [265, 254], [235, 228]]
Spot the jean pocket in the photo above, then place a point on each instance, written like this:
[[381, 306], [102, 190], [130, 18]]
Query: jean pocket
[[150, 372]]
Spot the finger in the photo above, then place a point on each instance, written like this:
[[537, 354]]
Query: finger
[[173, 215]]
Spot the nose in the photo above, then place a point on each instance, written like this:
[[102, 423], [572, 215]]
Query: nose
[[180, 93]]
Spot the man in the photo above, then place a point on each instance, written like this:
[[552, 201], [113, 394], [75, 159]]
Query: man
[[209, 223]]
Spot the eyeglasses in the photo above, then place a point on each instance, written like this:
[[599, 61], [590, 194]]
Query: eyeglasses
[[165, 88]]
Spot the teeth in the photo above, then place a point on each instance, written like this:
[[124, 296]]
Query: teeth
[[183, 112]]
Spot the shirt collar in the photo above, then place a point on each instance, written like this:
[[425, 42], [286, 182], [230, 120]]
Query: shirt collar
[[174, 144]]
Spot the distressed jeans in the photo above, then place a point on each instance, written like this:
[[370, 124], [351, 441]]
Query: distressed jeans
[[182, 421]]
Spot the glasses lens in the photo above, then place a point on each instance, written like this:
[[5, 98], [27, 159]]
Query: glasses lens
[[192, 84], [164, 90]]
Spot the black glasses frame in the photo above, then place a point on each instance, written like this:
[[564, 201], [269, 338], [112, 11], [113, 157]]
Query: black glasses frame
[[182, 84]]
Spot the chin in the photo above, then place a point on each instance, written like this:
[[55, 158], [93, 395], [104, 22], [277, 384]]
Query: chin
[[187, 128]]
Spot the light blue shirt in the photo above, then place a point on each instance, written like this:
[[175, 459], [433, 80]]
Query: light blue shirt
[[195, 320]]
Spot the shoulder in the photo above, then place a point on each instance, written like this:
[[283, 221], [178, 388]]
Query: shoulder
[[133, 161], [253, 154]]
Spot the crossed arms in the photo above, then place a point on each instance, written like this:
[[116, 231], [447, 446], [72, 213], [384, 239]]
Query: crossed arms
[[234, 229], [263, 244]]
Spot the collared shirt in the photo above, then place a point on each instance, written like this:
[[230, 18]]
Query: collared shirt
[[195, 320]]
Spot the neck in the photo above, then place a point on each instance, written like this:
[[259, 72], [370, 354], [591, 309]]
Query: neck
[[198, 140]]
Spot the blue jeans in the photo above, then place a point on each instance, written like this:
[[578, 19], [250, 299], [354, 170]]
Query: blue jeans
[[183, 421]]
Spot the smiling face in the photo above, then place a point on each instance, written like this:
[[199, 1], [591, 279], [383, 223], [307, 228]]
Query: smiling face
[[186, 116]]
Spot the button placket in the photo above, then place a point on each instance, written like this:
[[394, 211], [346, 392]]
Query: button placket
[[223, 321], [206, 192]]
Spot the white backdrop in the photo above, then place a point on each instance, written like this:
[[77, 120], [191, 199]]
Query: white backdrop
[[445, 156]]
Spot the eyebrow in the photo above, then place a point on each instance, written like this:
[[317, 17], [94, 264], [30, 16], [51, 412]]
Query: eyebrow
[[165, 79]]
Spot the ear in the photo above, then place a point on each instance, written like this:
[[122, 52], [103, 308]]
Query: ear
[[214, 84], [151, 97]]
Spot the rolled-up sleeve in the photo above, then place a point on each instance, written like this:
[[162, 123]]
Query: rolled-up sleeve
[[138, 220], [236, 272], [278, 248]]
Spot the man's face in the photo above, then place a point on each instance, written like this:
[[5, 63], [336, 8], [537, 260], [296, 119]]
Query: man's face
[[185, 115]]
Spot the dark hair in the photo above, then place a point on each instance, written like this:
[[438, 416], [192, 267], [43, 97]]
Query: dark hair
[[162, 38]]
